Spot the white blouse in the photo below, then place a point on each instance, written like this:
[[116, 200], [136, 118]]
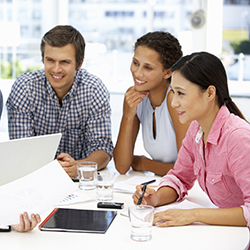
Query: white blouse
[[163, 148]]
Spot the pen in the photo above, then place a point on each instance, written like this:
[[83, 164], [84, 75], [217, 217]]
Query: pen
[[143, 190], [148, 182]]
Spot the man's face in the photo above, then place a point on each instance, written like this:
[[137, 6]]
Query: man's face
[[60, 67]]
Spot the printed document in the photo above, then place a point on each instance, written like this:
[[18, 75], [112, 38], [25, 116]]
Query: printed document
[[130, 184], [34, 193]]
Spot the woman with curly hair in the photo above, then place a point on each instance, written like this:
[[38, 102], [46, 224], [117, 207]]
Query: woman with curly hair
[[148, 103]]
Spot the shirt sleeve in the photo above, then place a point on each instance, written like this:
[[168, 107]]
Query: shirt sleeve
[[239, 165], [182, 177], [19, 106], [98, 127]]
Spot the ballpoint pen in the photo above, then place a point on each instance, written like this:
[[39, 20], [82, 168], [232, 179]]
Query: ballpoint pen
[[148, 182], [143, 190]]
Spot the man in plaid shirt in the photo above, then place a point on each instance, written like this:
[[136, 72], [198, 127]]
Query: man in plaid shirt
[[65, 98]]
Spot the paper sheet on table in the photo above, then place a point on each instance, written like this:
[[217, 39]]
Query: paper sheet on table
[[34, 193], [74, 198], [130, 184], [185, 204]]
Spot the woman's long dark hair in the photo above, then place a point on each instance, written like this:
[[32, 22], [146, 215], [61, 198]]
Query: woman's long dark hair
[[204, 69]]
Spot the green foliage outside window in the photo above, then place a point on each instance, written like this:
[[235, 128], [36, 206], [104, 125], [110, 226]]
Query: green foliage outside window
[[6, 69], [241, 47]]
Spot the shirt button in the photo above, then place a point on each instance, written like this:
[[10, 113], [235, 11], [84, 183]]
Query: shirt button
[[212, 180]]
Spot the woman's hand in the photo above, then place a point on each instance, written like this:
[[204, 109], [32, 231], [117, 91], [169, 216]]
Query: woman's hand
[[138, 162], [174, 217], [25, 224], [150, 196], [131, 100]]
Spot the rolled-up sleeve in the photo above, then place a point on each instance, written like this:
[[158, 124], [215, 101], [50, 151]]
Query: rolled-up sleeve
[[239, 165], [246, 212], [98, 128], [19, 106], [182, 177]]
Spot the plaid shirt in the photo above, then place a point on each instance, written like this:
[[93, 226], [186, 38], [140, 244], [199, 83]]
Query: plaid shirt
[[83, 119]]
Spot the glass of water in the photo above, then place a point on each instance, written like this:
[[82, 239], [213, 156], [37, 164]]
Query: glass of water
[[141, 219], [87, 172], [104, 186]]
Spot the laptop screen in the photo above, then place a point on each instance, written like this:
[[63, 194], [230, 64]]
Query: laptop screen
[[20, 157]]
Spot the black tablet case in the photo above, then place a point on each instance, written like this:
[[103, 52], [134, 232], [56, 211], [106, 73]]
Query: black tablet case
[[78, 220]]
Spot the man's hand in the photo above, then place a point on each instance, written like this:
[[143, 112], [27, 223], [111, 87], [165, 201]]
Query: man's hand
[[25, 224], [68, 164]]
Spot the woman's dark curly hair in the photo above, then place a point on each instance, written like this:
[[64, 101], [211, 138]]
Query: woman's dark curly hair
[[167, 46]]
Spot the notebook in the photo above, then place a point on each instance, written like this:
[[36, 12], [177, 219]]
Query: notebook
[[78, 220], [20, 157]]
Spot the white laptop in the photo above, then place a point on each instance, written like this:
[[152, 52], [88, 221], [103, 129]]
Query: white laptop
[[20, 157]]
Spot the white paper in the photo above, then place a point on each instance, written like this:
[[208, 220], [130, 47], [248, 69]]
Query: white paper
[[185, 204], [130, 184], [74, 198], [34, 193]]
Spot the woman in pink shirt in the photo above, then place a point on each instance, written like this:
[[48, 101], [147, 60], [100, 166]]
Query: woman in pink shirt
[[215, 150]]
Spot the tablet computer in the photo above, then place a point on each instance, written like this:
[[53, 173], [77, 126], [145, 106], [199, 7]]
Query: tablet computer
[[78, 220]]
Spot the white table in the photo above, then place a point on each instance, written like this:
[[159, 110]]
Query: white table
[[118, 235]]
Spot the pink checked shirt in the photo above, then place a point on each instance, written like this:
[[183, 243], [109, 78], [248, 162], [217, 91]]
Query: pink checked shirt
[[223, 170]]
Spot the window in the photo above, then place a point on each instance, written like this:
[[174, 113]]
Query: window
[[37, 15]]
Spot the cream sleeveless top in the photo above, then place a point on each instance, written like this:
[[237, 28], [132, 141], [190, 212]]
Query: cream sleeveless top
[[163, 148]]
